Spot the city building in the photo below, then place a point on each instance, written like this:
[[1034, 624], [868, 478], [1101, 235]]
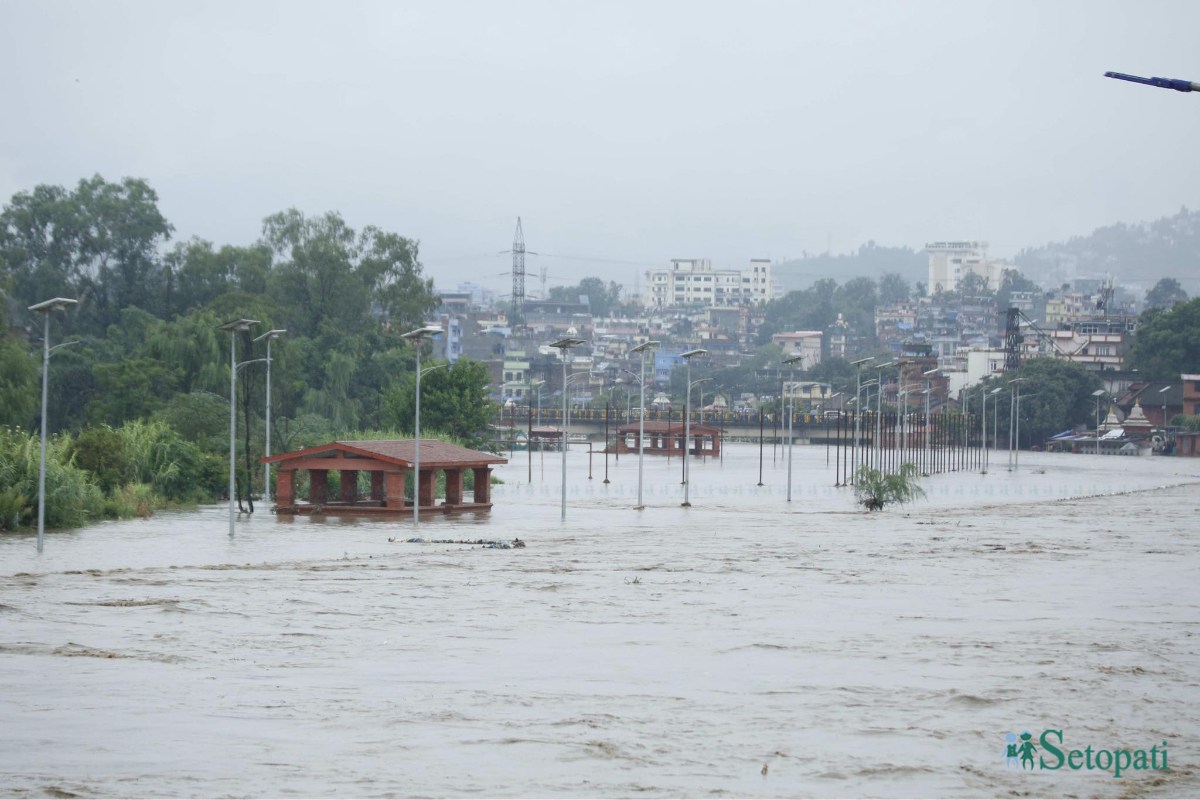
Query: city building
[[694, 282], [951, 262], [800, 343]]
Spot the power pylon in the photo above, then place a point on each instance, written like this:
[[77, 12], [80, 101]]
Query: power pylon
[[518, 275]]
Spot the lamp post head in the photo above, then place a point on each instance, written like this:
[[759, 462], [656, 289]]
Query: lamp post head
[[1017, 380], [238, 325], [690, 354], [935, 369], [646, 345], [862, 361], [423, 332], [997, 390], [567, 343], [272, 334], [793, 359], [57, 304]]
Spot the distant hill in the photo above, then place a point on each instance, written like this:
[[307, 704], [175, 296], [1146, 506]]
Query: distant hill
[[1136, 256], [870, 261]]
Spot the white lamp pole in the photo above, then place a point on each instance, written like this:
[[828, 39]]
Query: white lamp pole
[[234, 328], [928, 393], [269, 336], [1098, 394], [642, 348], [857, 412], [564, 346], [44, 308], [791, 409], [877, 445], [417, 337], [1015, 432], [687, 416]]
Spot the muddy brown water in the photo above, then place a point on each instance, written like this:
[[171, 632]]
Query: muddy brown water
[[664, 652]]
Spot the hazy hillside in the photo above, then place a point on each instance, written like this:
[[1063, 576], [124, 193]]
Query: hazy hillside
[[1137, 256], [870, 261]]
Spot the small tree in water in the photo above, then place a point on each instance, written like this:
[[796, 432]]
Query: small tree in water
[[875, 489]]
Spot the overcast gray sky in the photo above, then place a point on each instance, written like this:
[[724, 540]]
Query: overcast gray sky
[[629, 132]]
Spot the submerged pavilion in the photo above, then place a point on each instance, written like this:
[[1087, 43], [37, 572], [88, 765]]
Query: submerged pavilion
[[389, 463]]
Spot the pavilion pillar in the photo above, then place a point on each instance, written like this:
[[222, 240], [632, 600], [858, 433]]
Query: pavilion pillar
[[454, 487], [377, 485], [427, 484], [349, 493], [285, 488], [483, 484], [394, 489], [318, 486]]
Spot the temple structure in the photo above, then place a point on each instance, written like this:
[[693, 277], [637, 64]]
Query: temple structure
[[666, 438], [389, 464]]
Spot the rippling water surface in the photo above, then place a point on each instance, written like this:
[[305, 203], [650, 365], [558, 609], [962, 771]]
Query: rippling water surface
[[672, 651]]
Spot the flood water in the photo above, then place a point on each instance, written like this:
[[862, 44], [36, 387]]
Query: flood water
[[664, 652]]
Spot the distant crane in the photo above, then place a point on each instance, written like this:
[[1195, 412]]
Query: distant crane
[[1177, 84]]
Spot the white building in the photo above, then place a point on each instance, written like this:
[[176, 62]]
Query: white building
[[694, 282], [806, 344], [950, 262]]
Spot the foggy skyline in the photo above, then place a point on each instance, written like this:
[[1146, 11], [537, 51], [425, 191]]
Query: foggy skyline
[[621, 132]]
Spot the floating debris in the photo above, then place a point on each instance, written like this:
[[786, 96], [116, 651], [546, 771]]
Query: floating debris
[[495, 544]]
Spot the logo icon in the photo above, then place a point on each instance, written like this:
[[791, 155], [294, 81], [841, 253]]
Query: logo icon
[[1022, 753]]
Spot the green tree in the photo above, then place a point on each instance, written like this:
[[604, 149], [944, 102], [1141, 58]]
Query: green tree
[[1013, 281], [602, 298], [131, 389], [454, 401], [98, 243], [101, 451], [893, 289], [390, 267], [875, 489], [1167, 343], [20, 385], [1056, 395], [1165, 294]]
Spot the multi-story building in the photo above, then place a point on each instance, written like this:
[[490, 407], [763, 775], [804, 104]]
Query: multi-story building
[[694, 282], [800, 343], [950, 262]]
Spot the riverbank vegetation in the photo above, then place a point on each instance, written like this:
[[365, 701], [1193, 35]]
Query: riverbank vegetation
[[138, 405]]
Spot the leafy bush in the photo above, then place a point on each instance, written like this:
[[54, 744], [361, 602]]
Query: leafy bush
[[72, 498], [875, 489]]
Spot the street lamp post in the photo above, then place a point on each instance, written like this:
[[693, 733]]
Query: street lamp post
[[564, 346], [857, 411], [983, 425], [1014, 457], [791, 408], [1098, 394], [44, 308], [877, 444], [1162, 391], [687, 416], [928, 393], [417, 337], [269, 336], [996, 417], [642, 348], [234, 328], [686, 487]]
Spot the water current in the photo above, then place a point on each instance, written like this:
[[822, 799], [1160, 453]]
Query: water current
[[747, 645]]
